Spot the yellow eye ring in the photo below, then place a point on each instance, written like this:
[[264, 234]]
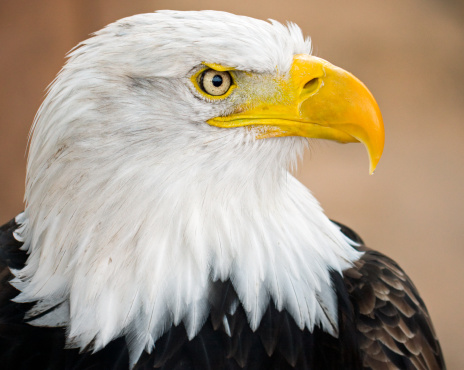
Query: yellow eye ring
[[214, 84]]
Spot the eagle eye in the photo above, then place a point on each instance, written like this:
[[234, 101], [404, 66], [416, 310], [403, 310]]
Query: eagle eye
[[215, 83]]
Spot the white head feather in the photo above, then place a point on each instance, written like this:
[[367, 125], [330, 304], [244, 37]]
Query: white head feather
[[135, 204]]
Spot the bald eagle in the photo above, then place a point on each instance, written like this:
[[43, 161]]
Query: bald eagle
[[162, 228]]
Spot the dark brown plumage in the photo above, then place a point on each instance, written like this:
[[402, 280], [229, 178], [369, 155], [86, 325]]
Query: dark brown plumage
[[383, 324], [394, 328]]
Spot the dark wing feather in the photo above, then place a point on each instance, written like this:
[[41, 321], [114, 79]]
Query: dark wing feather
[[394, 328], [225, 341], [382, 321]]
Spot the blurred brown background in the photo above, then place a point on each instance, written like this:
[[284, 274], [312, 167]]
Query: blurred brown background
[[409, 53]]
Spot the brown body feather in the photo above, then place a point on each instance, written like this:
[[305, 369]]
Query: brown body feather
[[383, 324], [394, 328]]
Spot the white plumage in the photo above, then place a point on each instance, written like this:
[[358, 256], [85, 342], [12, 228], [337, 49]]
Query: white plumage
[[135, 204]]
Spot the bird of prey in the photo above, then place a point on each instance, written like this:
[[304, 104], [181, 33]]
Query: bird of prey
[[162, 228]]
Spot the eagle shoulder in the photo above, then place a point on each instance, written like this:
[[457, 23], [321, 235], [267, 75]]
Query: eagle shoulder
[[393, 325]]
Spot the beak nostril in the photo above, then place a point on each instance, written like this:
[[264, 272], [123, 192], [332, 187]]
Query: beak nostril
[[311, 84]]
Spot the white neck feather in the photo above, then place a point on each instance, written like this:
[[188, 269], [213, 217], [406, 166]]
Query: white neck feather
[[135, 265]]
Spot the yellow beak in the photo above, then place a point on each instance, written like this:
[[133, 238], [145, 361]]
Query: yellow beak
[[318, 100]]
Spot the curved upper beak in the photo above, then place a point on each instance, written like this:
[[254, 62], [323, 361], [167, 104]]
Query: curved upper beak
[[321, 101]]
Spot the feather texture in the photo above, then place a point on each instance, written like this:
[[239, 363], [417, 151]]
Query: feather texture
[[135, 206], [394, 328], [151, 238], [370, 339]]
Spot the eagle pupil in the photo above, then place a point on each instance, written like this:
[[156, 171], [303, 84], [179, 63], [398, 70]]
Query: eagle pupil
[[217, 81]]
